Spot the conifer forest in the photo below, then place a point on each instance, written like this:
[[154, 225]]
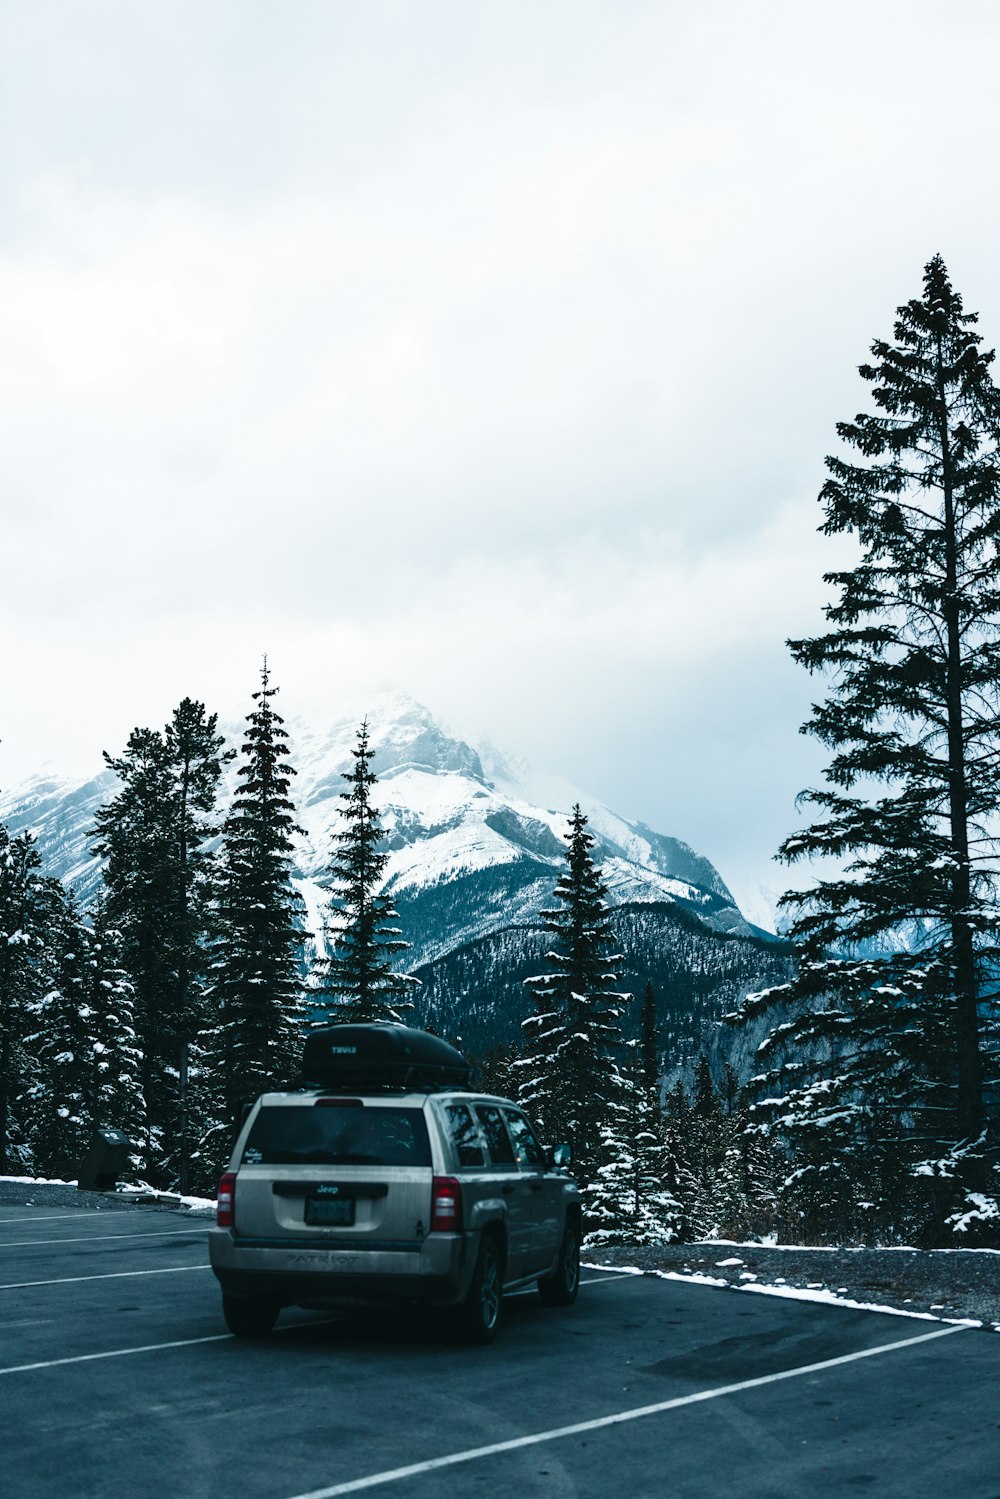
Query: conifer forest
[[850, 1095]]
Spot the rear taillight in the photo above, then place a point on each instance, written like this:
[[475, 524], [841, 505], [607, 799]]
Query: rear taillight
[[446, 1205], [225, 1206]]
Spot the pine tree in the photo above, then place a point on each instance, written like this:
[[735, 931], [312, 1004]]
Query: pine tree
[[496, 1070], [360, 980], [255, 1011], [154, 836], [114, 1088], [740, 1196], [729, 1088], [706, 1139], [678, 1105], [675, 1173], [570, 1074], [27, 901], [58, 1044], [658, 1210], [706, 1101], [628, 1200], [134, 834], [196, 753], [883, 1029], [85, 1060]]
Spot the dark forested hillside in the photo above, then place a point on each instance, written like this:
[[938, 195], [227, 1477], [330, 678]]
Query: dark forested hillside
[[477, 990]]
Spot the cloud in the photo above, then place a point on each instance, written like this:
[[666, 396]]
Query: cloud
[[492, 351]]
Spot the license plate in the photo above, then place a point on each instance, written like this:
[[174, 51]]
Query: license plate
[[330, 1210]]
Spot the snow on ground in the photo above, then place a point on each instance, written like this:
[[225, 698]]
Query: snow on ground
[[819, 1294], [39, 1181], [949, 1285], [124, 1191], [833, 1298]]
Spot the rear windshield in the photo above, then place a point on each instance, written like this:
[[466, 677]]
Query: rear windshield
[[319, 1136]]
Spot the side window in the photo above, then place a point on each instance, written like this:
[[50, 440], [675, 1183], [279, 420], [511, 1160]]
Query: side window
[[465, 1133], [526, 1147], [496, 1135]]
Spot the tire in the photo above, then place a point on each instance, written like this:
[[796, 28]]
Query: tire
[[248, 1318], [560, 1288], [478, 1318]]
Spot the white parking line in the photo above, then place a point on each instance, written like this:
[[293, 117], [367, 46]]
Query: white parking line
[[215, 1337], [51, 1217], [88, 1358], [72, 1280], [431, 1465], [100, 1238], [602, 1280], [593, 1280]]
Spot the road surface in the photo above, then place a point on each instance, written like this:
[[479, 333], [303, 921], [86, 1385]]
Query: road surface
[[117, 1376]]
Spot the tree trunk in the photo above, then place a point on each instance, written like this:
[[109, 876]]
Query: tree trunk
[[970, 1088], [4, 1093]]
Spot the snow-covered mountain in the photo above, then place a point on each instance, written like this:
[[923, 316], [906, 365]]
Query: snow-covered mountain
[[450, 811], [475, 837]]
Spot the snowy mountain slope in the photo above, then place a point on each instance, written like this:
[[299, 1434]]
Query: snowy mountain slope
[[475, 839], [59, 813]]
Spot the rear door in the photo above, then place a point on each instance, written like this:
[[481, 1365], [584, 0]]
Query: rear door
[[347, 1171], [544, 1190], [513, 1188]]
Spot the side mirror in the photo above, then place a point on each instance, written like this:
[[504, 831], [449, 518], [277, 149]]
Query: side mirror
[[562, 1157]]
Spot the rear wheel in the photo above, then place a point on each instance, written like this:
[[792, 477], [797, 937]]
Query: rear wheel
[[560, 1288], [478, 1318], [249, 1317]]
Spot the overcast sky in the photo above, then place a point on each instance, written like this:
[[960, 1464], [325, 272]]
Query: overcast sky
[[486, 350]]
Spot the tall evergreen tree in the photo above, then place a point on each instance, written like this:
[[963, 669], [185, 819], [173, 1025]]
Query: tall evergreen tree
[[359, 981], [134, 833], [629, 1201], [706, 1100], [114, 1088], [570, 1077], [154, 836], [196, 753], [57, 1044], [705, 1137], [729, 1088], [27, 902], [85, 1060], [883, 1029], [256, 984]]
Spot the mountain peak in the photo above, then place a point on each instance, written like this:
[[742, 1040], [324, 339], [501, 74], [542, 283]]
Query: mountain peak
[[451, 813], [403, 735]]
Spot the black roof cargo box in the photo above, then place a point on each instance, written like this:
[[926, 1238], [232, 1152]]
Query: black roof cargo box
[[381, 1056]]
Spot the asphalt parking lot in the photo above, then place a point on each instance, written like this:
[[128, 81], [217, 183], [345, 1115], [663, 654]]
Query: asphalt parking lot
[[117, 1376]]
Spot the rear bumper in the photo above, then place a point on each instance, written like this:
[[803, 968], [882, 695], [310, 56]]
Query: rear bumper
[[437, 1271]]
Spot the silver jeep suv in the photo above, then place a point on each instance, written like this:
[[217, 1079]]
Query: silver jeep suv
[[400, 1193]]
